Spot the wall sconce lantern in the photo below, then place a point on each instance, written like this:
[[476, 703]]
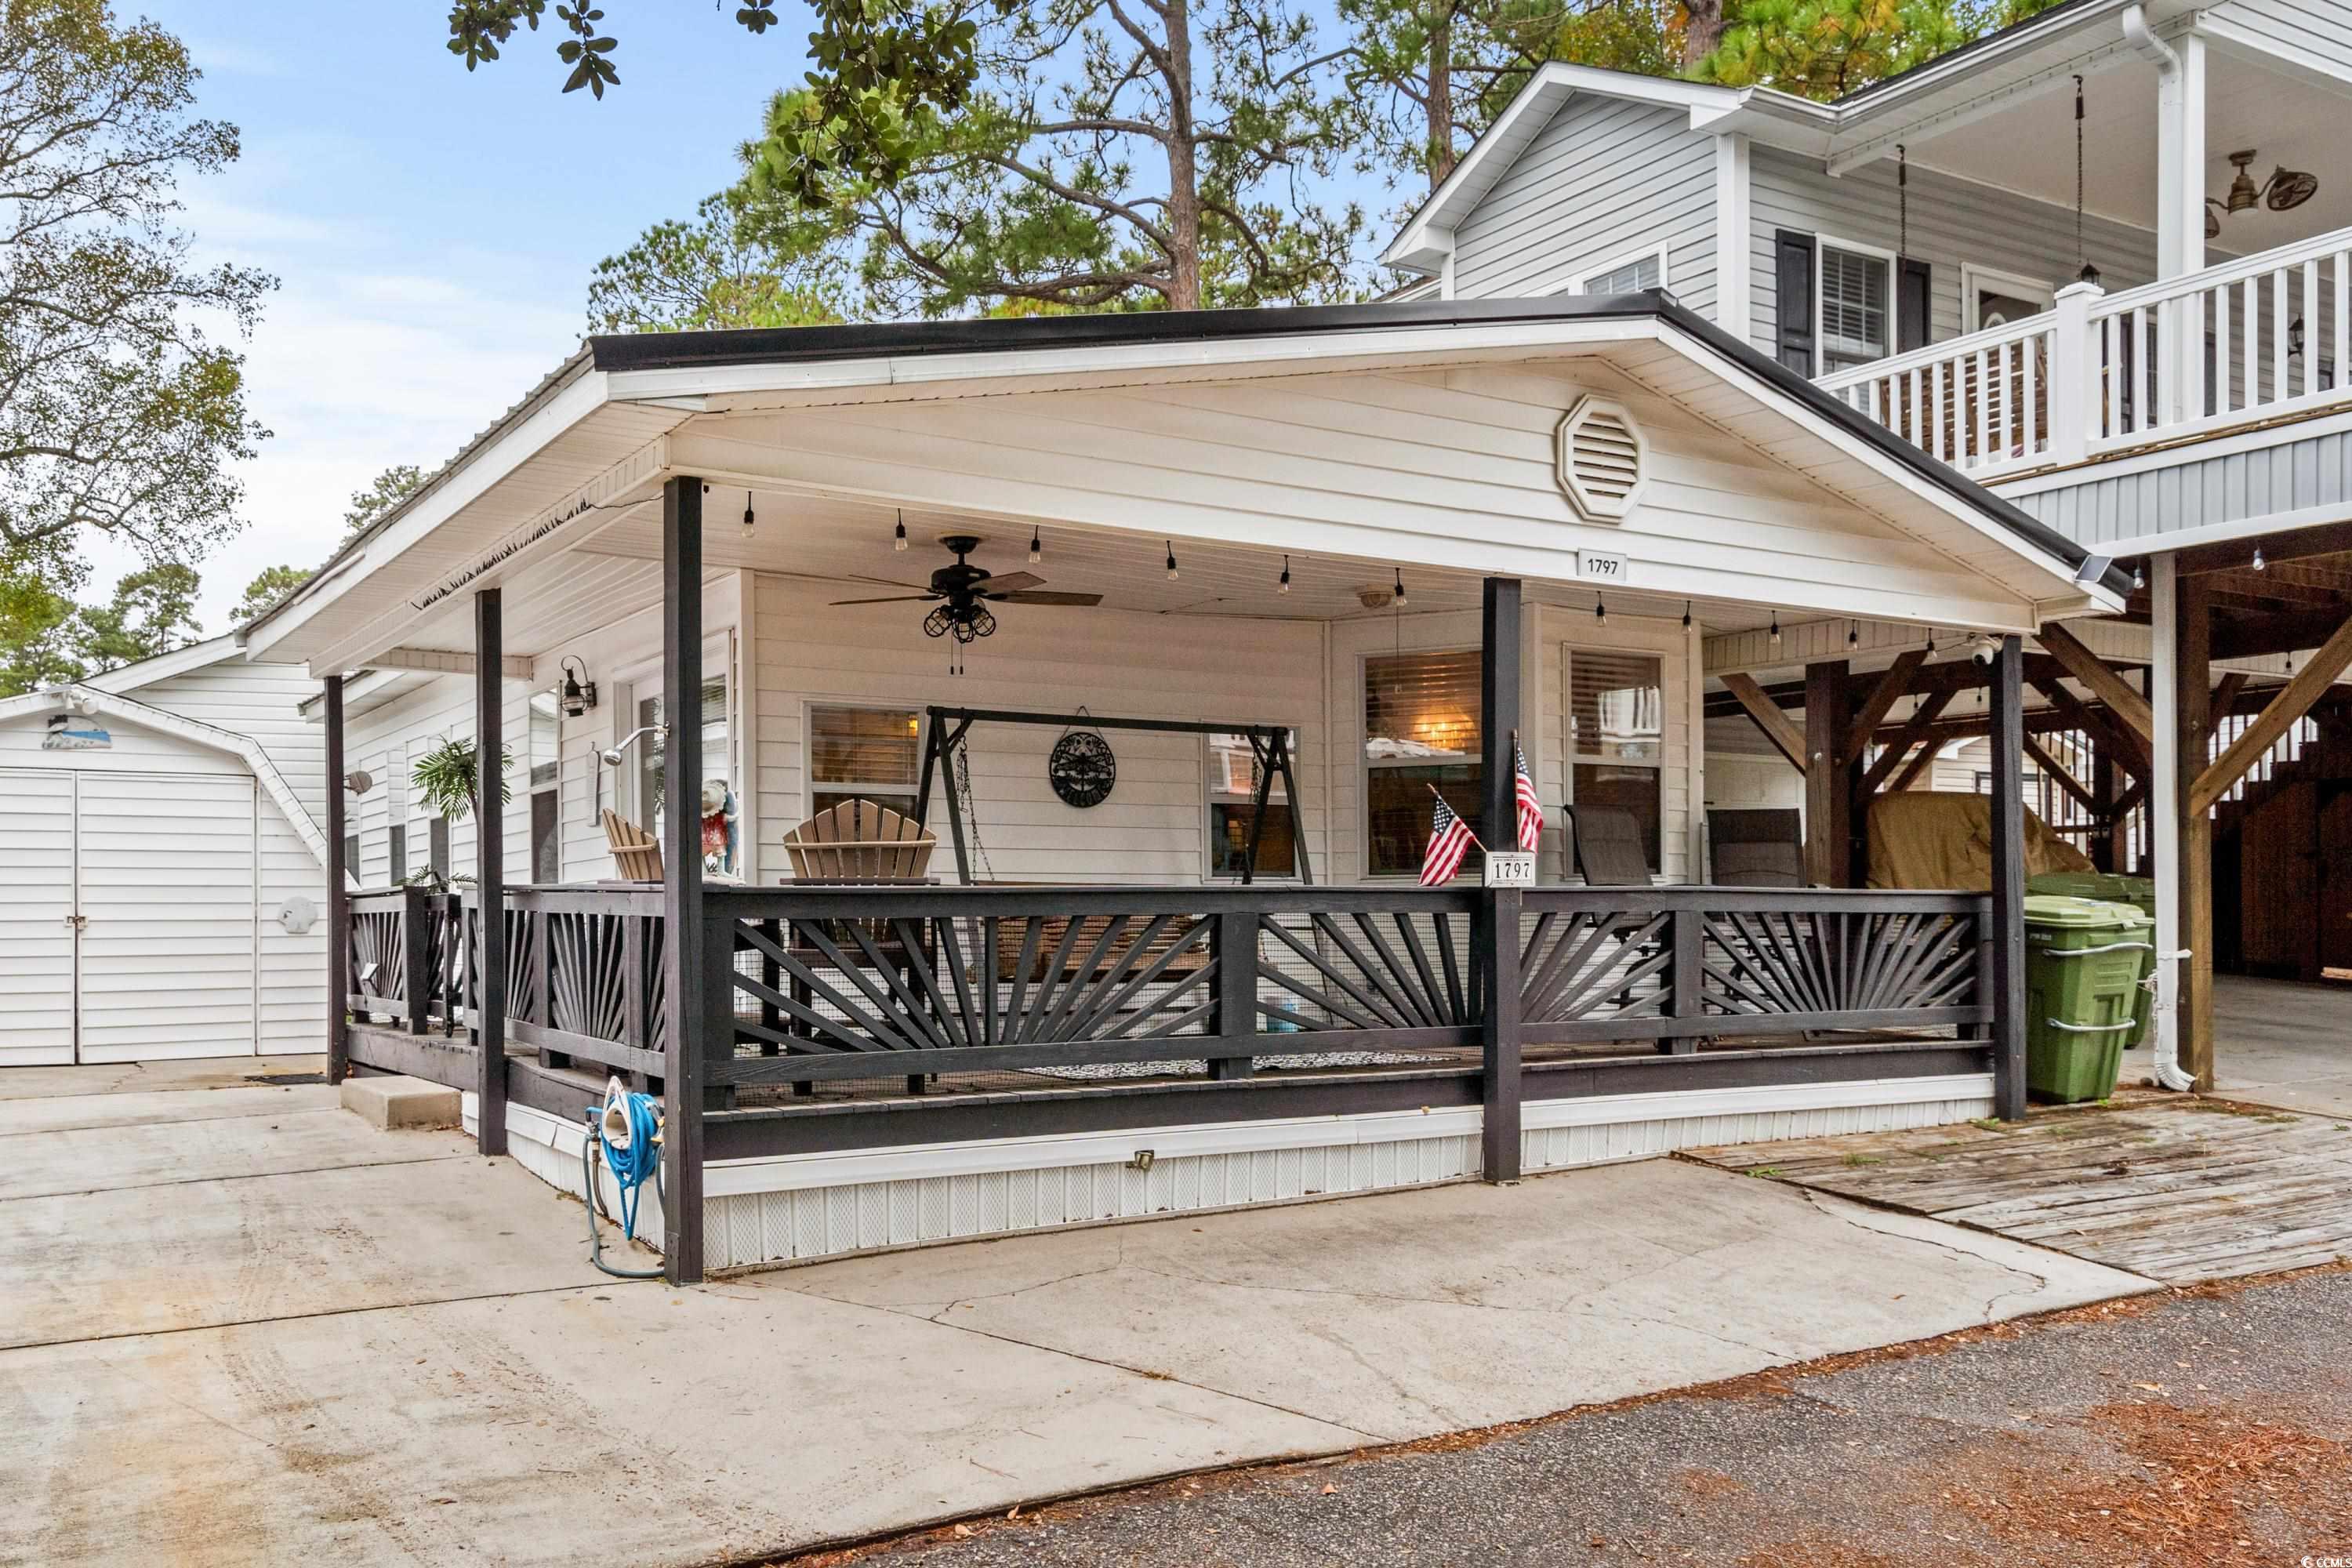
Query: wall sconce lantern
[[578, 697]]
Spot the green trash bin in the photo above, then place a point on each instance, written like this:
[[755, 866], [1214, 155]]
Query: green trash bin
[[2139, 892], [2083, 964]]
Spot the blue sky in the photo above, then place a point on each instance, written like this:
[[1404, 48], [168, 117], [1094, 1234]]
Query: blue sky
[[434, 230]]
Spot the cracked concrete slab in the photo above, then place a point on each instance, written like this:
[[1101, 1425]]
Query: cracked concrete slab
[[1407, 1314], [151, 1153]]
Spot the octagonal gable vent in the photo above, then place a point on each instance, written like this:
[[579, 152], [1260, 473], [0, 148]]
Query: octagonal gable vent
[[1603, 460]]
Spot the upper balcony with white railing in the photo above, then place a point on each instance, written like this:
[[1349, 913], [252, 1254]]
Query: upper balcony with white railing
[[2104, 373]]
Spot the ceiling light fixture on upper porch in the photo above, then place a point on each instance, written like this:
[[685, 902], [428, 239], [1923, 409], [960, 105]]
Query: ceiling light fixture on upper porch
[[2285, 191]]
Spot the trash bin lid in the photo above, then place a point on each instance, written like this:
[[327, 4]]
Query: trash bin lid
[[2063, 909], [2128, 914]]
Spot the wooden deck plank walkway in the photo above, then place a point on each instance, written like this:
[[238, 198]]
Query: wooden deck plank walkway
[[2179, 1191]]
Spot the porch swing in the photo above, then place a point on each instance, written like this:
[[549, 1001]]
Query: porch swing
[[1171, 952]]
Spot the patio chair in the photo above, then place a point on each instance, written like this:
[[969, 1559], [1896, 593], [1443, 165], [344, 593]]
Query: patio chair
[[636, 856], [1755, 848], [1608, 849], [859, 841]]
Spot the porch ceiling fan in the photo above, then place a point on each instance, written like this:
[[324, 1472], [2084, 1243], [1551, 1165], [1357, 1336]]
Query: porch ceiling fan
[[2285, 191], [960, 594]]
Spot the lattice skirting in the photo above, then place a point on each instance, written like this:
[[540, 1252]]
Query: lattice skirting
[[798, 1208]]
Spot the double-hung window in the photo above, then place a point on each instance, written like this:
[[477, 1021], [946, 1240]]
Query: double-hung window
[[1421, 734], [1629, 275], [1616, 739], [864, 753], [1856, 290], [1234, 773]]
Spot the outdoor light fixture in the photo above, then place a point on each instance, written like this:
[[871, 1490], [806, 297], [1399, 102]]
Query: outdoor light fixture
[[613, 754], [2089, 274], [748, 519], [2260, 564], [1775, 628], [1600, 611], [1036, 545], [2140, 575], [1930, 644], [1285, 575], [2294, 337], [1687, 617], [578, 697], [1853, 634], [899, 543], [1400, 588], [1172, 560]]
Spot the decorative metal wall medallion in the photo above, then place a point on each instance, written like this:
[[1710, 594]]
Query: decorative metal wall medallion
[[1082, 769]]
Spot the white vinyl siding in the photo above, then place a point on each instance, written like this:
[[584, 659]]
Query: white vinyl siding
[[37, 898], [1952, 221], [260, 703], [1603, 181]]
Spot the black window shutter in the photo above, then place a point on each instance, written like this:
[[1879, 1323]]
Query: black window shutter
[[1793, 254], [1913, 292]]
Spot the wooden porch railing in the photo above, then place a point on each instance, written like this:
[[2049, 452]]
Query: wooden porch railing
[[2252, 340], [584, 977], [403, 960]]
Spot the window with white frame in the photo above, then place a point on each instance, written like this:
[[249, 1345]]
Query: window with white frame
[[1856, 289], [864, 753], [1234, 773], [1421, 734], [1629, 275], [1616, 737]]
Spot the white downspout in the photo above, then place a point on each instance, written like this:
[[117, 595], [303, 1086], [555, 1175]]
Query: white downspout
[[2164, 816]]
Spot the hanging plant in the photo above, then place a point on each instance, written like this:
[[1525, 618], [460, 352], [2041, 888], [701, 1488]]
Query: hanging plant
[[443, 777]]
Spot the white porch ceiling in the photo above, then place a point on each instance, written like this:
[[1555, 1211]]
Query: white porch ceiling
[[2028, 147]]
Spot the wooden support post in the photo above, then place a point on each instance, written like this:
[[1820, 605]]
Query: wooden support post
[[338, 899], [1497, 933], [2193, 670], [1687, 979], [1784, 736], [489, 872], [1829, 795], [687, 956], [2270, 726], [416, 955], [1235, 943], [2008, 879], [2107, 849], [2101, 680], [2131, 750]]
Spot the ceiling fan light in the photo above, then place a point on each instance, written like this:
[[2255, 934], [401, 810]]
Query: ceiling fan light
[[2243, 192], [937, 623], [2289, 189]]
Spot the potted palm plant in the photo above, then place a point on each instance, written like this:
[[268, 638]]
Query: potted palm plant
[[446, 779]]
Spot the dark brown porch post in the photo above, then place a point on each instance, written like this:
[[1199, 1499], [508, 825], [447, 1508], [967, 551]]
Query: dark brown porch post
[[489, 869], [339, 907], [2008, 697], [1829, 786], [685, 965], [1496, 930]]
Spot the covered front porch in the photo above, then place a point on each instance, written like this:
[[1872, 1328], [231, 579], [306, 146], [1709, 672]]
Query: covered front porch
[[1301, 571]]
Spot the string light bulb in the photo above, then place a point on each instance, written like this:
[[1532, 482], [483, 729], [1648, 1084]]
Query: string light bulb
[[1172, 559], [1600, 611], [899, 545], [1686, 614], [1775, 628], [1853, 634], [1930, 644], [2260, 564], [748, 519], [1400, 600], [1036, 545], [1284, 583], [2140, 575]]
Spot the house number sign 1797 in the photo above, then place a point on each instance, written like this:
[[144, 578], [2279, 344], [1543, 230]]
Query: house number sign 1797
[[1593, 567]]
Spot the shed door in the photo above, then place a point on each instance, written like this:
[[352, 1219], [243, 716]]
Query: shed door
[[168, 904], [37, 906]]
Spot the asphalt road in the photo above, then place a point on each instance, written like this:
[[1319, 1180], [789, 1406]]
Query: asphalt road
[[2211, 1428]]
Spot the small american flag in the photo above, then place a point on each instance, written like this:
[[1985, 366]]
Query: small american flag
[[1530, 805], [1449, 841]]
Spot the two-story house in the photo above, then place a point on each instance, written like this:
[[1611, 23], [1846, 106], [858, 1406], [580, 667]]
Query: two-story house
[[2099, 262]]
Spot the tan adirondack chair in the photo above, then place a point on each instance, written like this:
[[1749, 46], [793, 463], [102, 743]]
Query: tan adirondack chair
[[859, 841], [636, 857]]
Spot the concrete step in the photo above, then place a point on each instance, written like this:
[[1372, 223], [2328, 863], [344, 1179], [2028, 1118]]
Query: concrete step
[[388, 1102]]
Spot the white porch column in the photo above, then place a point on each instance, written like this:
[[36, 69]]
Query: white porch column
[[2179, 207]]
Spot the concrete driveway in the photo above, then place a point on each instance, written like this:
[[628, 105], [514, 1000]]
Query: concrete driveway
[[237, 1326]]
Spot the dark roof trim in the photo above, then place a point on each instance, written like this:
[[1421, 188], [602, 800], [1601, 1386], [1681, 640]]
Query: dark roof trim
[[801, 345]]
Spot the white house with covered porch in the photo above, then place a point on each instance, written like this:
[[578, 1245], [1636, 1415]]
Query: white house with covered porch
[[1371, 546]]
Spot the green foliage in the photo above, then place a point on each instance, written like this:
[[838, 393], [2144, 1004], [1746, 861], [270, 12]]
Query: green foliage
[[117, 414], [274, 584], [1826, 48], [383, 493], [712, 272], [35, 636], [47, 639], [1101, 158], [443, 777]]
